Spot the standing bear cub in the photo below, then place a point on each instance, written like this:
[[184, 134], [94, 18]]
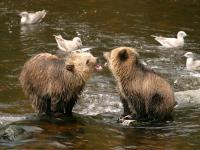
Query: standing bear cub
[[54, 84], [144, 94]]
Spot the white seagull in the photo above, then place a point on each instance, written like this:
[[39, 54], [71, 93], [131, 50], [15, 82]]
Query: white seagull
[[68, 45], [32, 18], [171, 42], [191, 64]]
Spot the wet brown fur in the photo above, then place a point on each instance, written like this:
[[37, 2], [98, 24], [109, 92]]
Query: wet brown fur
[[54, 84], [144, 94]]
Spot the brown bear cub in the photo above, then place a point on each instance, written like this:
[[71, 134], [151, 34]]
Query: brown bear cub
[[144, 94], [54, 84]]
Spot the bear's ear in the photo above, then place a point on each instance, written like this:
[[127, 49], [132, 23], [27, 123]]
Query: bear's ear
[[70, 67], [123, 54]]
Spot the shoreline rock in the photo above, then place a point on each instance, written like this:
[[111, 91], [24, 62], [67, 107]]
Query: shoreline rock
[[188, 97]]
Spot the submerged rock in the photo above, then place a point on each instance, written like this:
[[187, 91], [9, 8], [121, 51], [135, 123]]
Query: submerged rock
[[11, 133], [14, 133]]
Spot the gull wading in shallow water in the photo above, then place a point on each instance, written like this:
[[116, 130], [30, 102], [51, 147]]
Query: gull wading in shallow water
[[68, 45], [191, 64], [32, 18], [171, 42]]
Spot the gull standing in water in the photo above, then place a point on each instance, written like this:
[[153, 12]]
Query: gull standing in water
[[191, 64], [171, 42], [32, 18], [68, 45]]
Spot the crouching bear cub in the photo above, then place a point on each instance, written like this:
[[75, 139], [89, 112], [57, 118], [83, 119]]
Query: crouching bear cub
[[144, 94], [54, 84]]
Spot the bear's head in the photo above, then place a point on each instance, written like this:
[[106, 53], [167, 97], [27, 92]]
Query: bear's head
[[82, 64], [121, 60]]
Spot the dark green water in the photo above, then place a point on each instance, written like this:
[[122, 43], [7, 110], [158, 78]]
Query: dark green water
[[103, 25]]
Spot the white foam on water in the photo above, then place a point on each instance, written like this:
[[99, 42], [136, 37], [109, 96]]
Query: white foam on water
[[98, 104]]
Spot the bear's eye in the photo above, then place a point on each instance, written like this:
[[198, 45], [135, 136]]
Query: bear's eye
[[87, 62]]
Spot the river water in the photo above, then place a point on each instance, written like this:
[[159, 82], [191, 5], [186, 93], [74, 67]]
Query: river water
[[102, 25]]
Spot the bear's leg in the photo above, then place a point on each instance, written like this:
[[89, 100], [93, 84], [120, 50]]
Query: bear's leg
[[129, 112], [156, 107], [126, 108], [46, 104], [69, 106], [141, 114], [39, 104], [157, 110], [57, 105], [138, 108]]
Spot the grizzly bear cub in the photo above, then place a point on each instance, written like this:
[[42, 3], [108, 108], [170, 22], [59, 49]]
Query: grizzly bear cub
[[54, 84], [144, 94]]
